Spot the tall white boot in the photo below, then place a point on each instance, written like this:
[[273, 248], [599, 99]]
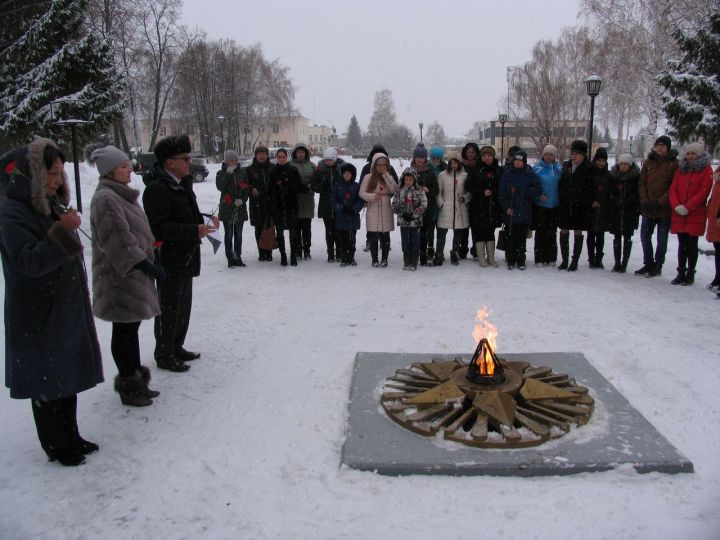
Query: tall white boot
[[490, 247], [480, 250]]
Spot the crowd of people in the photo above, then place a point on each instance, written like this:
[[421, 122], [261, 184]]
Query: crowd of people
[[144, 258]]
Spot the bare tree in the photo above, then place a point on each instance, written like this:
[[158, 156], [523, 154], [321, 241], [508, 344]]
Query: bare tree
[[436, 134], [383, 120]]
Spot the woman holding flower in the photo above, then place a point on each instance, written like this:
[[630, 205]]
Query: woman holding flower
[[234, 193]]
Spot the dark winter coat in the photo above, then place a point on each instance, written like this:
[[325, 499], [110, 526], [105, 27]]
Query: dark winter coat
[[413, 201], [518, 188], [347, 205], [655, 178], [323, 182], [121, 239], [575, 190], [285, 185], [427, 179], [599, 215], [234, 193], [623, 215], [258, 176], [173, 213], [485, 211], [51, 348], [690, 187], [306, 200]]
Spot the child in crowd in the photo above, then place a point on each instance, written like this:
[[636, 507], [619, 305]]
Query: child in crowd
[[347, 205], [410, 203]]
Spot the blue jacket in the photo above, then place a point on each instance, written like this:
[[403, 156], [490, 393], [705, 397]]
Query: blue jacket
[[549, 176], [347, 195], [517, 189]]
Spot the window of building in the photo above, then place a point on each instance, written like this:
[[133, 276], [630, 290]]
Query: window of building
[[276, 128]]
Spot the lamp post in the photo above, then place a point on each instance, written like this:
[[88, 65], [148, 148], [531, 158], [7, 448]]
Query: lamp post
[[410, 148], [592, 84], [420, 125], [221, 119], [503, 119], [73, 123]]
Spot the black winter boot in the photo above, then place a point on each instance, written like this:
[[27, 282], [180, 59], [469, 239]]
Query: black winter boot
[[430, 256], [423, 259], [131, 390], [374, 254], [413, 263], [564, 250], [385, 251], [145, 376], [577, 251], [680, 278], [644, 270], [627, 249], [617, 254], [655, 270], [439, 259], [283, 259], [689, 278], [454, 259], [591, 250]]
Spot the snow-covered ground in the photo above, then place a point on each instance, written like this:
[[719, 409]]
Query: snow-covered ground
[[247, 443]]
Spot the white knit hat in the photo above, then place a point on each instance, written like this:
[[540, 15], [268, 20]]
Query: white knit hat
[[230, 155], [625, 158], [106, 159], [330, 153], [550, 149], [695, 148]]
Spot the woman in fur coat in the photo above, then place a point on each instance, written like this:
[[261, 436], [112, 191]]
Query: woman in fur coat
[[51, 349], [376, 189], [123, 271], [452, 201]]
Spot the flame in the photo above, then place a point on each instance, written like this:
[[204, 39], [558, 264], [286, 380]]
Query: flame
[[484, 329], [487, 364]]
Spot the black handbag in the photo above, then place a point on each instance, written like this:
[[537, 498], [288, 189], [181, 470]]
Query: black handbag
[[501, 239]]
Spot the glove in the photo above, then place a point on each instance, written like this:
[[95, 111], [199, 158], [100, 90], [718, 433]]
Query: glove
[[347, 210], [238, 202], [155, 271], [407, 216], [680, 209]]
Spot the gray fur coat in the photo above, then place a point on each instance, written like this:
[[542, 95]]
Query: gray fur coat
[[121, 239]]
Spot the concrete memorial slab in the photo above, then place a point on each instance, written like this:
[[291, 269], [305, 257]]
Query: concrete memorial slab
[[615, 435]]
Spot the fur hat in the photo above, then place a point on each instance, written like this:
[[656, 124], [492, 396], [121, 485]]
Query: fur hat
[[579, 146], [172, 146], [487, 149], [550, 149], [408, 172], [330, 153], [513, 150], [600, 153], [625, 158], [261, 148], [695, 148], [107, 158], [437, 152], [664, 139], [420, 151], [230, 155]]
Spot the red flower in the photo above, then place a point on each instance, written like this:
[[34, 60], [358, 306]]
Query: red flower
[[244, 185], [10, 167], [227, 199], [408, 201], [381, 188], [158, 243]]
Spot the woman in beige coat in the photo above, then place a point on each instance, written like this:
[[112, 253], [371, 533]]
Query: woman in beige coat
[[452, 201], [376, 190]]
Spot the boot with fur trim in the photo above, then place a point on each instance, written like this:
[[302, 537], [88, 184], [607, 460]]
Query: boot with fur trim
[[131, 390], [145, 376]]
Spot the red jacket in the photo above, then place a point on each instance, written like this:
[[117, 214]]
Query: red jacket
[[690, 188]]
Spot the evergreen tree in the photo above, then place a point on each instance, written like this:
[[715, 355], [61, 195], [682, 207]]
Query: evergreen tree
[[354, 135], [55, 59], [692, 84]]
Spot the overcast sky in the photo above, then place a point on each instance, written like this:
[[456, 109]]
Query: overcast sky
[[443, 61]]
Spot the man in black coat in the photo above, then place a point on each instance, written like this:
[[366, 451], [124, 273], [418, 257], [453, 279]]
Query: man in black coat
[[576, 192], [177, 224]]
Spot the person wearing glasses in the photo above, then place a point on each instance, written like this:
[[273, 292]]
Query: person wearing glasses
[[176, 223]]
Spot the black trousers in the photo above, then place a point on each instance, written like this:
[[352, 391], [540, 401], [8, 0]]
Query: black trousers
[[546, 248], [427, 235], [171, 326], [125, 347], [345, 243], [460, 239], [280, 237], [304, 232], [716, 245], [687, 251], [515, 244], [56, 422], [330, 235]]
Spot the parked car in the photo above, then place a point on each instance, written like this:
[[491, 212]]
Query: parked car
[[145, 162]]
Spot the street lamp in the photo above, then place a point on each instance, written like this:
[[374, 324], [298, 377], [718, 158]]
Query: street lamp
[[503, 119], [420, 125], [73, 123], [592, 84], [221, 119]]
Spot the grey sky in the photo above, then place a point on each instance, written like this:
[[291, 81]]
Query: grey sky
[[443, 61]]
